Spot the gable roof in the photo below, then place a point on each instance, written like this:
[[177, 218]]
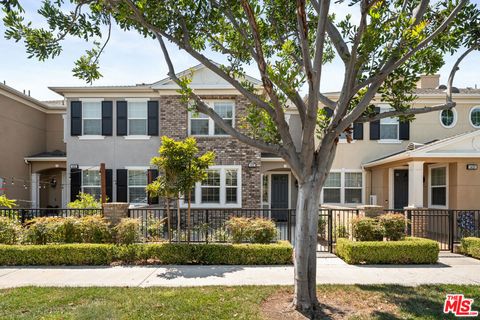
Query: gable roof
[[27, 100], [464, 145], [202, 78]]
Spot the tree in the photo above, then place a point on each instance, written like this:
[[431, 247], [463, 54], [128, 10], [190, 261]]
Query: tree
[[289, 41], [181, 167], [85, 201]]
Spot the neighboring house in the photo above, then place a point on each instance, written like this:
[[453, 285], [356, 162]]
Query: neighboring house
[[32, 150]]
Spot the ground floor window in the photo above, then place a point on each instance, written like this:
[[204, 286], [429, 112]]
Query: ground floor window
[[221, 187], [137, 182], [91, 183], [438, 186], [343, 187]]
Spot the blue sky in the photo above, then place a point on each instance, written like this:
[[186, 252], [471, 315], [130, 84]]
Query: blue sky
[[129, 59]]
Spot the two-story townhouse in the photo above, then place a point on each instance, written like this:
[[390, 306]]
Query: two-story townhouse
[[121, 127], [32, 150]]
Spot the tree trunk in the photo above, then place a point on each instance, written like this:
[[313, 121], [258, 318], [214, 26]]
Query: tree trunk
[[305, 296], [169, 221]]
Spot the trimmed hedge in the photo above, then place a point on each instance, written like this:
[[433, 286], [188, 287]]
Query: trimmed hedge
[[471, 247], [408, 251], [165, 253]]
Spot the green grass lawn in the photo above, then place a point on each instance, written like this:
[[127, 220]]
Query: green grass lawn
[[340, 302]]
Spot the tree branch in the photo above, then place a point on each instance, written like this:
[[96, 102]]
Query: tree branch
[[391, 114]]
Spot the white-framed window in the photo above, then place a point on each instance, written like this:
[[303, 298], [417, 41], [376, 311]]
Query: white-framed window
[[202, 125], [448, 118], [91, 182], [221, 188], [389, 127], [92, 118], [475, 117], [343, 187], [137, 118], [137, 182], [438, 186]]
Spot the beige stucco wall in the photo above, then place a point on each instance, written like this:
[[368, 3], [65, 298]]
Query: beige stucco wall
[[54, 132], [22, 132]]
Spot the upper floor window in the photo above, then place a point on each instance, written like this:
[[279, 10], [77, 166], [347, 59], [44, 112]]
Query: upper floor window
[[92, 118], [448, 118], [202, 125], [137, 182], [475, 117], [389, 127], [91, 182], [137, 118]]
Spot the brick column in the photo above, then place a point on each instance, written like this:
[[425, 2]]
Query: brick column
[[115, 211]]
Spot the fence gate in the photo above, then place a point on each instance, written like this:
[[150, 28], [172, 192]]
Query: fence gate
[[432, 224]]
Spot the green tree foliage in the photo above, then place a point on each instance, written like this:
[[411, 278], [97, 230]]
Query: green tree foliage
[[7, 203], [85, 201]]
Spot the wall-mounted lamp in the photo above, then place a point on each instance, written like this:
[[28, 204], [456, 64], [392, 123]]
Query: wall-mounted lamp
[[53, 183], [252, 164]]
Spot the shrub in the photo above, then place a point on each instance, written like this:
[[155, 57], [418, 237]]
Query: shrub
[[71, 230], [393, 225], [342, 232], [471, 246], [408, 251], [10, 230], [128, 231], [239, 228], [94, 229], [262, 230], [366, 229], [155, 228], [44, 230], [85, 201], [165, 253], [7, 203]]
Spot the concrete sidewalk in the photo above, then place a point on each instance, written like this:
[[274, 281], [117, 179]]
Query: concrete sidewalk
[[451, 269]]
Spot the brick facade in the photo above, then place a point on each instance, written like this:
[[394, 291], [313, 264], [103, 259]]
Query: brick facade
[[229, 151]]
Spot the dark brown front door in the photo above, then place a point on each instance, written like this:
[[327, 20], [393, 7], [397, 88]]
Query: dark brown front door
[[400, 188], [279, 196]]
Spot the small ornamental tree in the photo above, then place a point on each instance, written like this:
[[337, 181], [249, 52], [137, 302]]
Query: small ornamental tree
[[180, 167], [383, 52], [85, 201]]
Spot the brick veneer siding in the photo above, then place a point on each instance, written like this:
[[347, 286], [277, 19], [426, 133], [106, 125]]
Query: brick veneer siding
[[229, 151]]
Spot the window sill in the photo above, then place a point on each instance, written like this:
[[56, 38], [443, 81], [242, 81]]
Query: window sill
[[91, 137], [137, 137], [390, 141]]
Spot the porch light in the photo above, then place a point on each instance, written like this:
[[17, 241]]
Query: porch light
[[252, 164]]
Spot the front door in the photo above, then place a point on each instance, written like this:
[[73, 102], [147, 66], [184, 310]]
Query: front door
[[400, 188], [279, 196]]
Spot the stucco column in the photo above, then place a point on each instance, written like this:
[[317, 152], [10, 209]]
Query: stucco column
[[415, 184], [34, 192]]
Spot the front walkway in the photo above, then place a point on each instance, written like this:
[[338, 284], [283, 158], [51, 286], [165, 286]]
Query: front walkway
[[451, 269]]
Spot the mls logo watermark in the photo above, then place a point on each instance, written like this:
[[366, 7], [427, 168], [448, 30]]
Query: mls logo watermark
[[459, 306]]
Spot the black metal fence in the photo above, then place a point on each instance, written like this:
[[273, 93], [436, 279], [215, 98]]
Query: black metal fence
[[24, 215]]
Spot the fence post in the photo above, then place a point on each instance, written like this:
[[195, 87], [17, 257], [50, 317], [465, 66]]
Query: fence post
[[451, 238], [289, 225], [207, 226], [330, 231], [408, 225]]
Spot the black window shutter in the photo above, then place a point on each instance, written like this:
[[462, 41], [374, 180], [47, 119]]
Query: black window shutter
[[152, 176], [122, 118], [109, 181], [153, 118], [76, 118], [107, 114], [75, 183], [329, 112], [404, 129], [358, 130], [122, 185], [375, 127]]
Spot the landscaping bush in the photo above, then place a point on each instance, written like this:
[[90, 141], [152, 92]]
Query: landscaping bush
[[471, 246], [94, 229], [10, 231], [128, 231], [155, 228], [393, 225], [366, 229], [44, 230], [342, 232], [238, 227], [255, 230], [165, 253], [262, 230], [408, 251]]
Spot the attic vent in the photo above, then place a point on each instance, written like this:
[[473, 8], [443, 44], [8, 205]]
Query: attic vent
[[442, 87], [413, 145]]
